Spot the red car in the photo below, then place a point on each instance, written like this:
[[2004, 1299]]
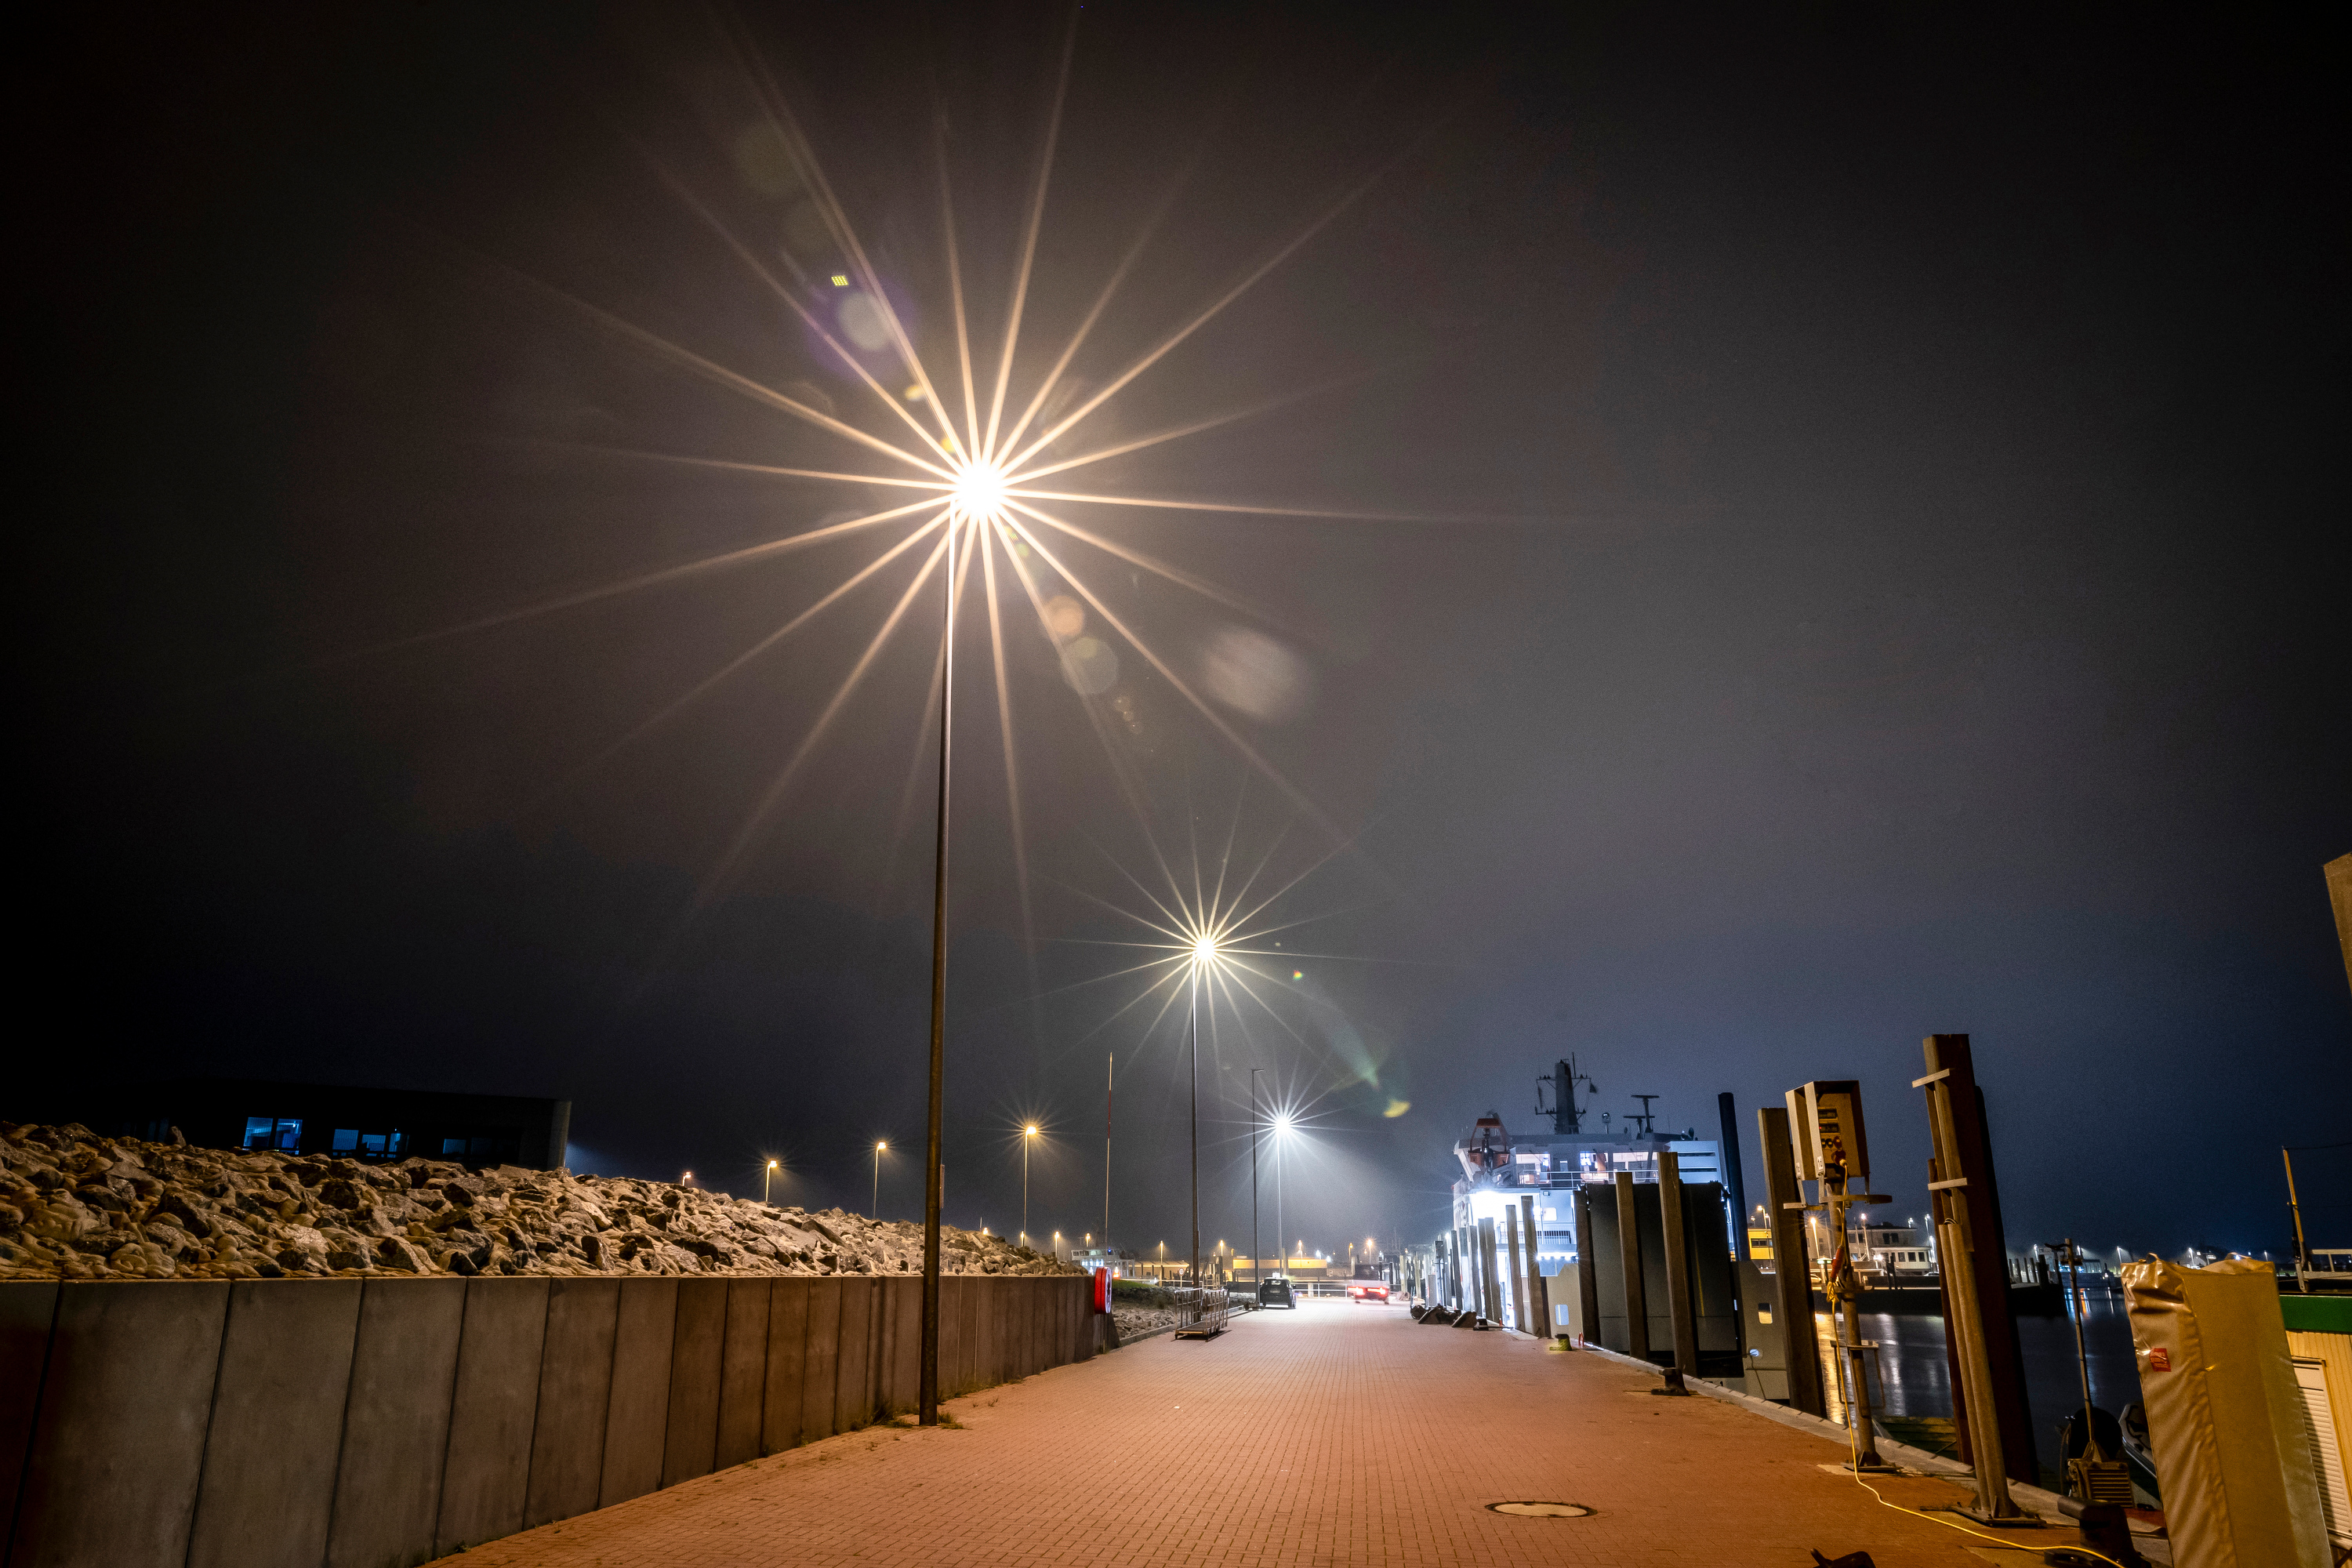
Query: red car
[[1363, 1290]]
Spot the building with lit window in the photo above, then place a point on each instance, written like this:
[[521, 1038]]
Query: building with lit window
[[336, 1120]]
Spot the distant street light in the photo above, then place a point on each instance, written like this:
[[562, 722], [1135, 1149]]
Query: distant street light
[[765, 1177], [879, 1145]]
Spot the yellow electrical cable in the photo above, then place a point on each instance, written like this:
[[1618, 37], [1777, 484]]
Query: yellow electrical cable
[[1853, 1449]]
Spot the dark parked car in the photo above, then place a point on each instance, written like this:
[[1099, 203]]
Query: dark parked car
[[1276, 1292]]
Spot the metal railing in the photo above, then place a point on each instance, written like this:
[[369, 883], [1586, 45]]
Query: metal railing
[[1201, 1312]]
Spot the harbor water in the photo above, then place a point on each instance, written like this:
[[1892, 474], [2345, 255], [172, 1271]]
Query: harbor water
[[1913, 1378]]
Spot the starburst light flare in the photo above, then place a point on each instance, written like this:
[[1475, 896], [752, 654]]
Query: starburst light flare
[[974, 444]]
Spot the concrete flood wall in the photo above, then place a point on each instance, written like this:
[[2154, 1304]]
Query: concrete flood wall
[[380, 1423]]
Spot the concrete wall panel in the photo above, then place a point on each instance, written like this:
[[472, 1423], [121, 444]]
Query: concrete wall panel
[[742, 1372], [395, 1422], [972, 1365], [821, 1360], [377, 1424], [493, 1407], [28, 1309], [692, 1438], [852, 1387], [268, 1487], [1029, 1316], [779, 1415], [951, 1331], [636, 1419], [1016, 1330], [903, 1339], [955, 1336], [119, 1439], [575, 1386]]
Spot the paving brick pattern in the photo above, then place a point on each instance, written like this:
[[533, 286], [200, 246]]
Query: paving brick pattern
[[1337, 1434]]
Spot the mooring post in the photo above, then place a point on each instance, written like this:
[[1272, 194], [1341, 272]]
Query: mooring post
[[1518, 1275], [1488, 1284], [1588, 1268], [1629, 1259], [1967, 1155], [1735, 1175], [1681, 1315], [1791, 1264], [1960, 1263], [1538, 1307]]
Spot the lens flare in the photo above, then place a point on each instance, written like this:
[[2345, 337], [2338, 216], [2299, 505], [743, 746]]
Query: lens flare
[[969, 442]]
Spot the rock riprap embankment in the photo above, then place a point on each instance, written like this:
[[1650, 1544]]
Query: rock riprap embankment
[[76, 1205]]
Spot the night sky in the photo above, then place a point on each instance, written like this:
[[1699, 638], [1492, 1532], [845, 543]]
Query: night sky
[[1861, 554]]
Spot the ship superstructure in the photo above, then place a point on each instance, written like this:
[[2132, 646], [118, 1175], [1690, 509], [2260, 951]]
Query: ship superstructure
[[1500, 1166]]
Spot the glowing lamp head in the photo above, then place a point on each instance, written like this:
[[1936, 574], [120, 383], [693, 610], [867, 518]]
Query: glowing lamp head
[[1281, 1121], [1030, 1130], [979, 489], [1204, 948], [880, 1146]]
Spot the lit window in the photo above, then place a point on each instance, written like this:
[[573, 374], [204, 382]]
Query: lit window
[[346, 1140], [273, 1132]]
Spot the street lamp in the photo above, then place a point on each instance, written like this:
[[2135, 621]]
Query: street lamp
[[1028, 1136], [766, 1176], [879, 1146]]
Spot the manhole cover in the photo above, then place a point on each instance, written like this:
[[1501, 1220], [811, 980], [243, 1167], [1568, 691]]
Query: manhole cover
[[1541, 1509]]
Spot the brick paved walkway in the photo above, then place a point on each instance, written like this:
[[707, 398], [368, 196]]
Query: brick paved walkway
[[1333, 1434]]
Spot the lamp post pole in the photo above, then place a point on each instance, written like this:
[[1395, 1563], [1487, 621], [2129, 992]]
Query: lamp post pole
[[766, 1176], [1027, 1135], [1258, 1115], [875, 1212], [927, 1399], [1277, 1201], [1110, 1087], [1193, 1267]]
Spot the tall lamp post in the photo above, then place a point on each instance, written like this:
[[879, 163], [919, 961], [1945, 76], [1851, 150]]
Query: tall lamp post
[[766, 1176], [1028, 1136], [1110, 1087], [1257, 1257], [1203, 950], [876, 1213], [978, 495], [1281, 1127]]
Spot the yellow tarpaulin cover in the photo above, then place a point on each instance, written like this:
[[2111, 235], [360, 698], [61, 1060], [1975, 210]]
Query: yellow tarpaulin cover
[[2224, 1416]]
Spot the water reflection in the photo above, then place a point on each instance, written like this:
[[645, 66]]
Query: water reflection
[[1912, 1377]]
